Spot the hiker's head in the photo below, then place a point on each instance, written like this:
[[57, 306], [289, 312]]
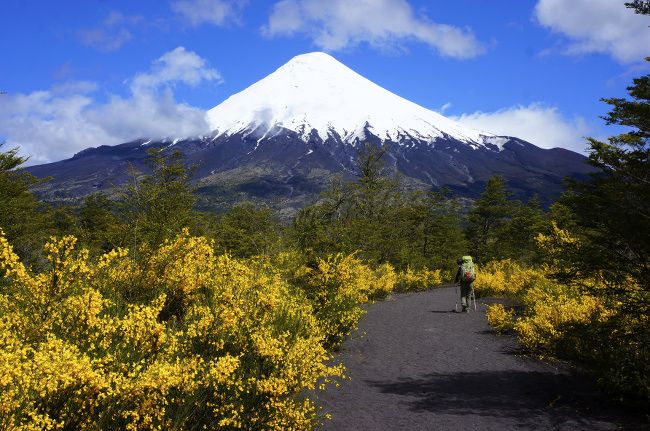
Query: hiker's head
[[460, 260]]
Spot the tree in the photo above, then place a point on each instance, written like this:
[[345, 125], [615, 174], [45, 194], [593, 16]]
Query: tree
[[98, 223], [247, 231], [640, 6], [490, 212], [63, 220], [431, 232], [376, 217], [351, 216], [372, 226], [22, 217], [605, 247], [516, 237], [157, 206], [612, 208]]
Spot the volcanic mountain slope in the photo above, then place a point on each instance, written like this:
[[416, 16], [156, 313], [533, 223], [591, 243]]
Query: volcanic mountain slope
[[283, 138]]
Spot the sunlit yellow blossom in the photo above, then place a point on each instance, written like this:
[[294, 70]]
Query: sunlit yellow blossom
[[414, 280], [181, 340]]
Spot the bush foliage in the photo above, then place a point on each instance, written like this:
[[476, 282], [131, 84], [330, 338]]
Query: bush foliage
[[564, 321], [182, 341]]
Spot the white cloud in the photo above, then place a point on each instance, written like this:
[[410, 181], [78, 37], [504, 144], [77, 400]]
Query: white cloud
[[338, 24], [444, 107], [178, 65], [604, 26], [536, 123], [114, 32], [217, 12], [55, 124]]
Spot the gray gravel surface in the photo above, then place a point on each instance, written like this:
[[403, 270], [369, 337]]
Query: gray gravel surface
[[414, 364]]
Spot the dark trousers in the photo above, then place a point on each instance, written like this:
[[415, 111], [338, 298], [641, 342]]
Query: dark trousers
[[465, 289]]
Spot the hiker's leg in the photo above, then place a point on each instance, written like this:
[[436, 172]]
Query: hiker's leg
[[470, 290], [464, 295]]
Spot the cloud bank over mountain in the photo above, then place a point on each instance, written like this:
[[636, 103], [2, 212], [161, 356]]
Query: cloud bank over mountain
[[53, 124]]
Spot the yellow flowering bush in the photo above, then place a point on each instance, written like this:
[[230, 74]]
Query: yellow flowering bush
[[550, 322], [500, 318], [415, 280], [551, 309], [505, 278], [579, 319], [338, 285], [181, 340]]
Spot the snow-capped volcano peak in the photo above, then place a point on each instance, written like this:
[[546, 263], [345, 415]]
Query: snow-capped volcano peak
[[316, 92]]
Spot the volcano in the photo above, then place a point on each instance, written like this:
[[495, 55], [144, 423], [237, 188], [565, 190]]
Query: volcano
[[281, 140]]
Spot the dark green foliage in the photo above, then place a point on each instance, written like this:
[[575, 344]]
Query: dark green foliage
[[156, 207], [22, 217], [516, 237], [612, 209], [247, 231], [503, 228], [63, 220], [640, 6], [562, 216], [98, 223], [485, 220], [427, 232], [377, 218], [610, 215]]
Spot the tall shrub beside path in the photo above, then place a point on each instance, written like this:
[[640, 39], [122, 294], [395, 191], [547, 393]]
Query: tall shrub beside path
[[181, 341]]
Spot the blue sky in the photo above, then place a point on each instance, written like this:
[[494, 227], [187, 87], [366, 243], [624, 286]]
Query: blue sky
[[90, 72]]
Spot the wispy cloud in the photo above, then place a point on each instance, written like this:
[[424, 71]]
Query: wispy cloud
[[176, 66], [444, 107], [112, 34], [536, 123], [56, 123], [216, 12], [604, 26], [339, 24]]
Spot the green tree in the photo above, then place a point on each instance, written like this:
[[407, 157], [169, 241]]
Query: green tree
[[158, 206], [63, 220], [430, 232], [374, 199], [486, 218], [612, 209], [376, 217], [374, 190], [22, 217], [247, 230], [640, 6], [516, 237], [611, 220], [98, 224], [351, 216]]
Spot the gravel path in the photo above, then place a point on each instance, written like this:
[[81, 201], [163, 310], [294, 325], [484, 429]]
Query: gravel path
[[414, 364]]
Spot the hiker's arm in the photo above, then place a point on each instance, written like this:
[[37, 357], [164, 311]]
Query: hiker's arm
[[457, 275]]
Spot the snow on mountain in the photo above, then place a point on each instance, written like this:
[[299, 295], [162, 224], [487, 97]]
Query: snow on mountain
[[316, 92], [251, 155]]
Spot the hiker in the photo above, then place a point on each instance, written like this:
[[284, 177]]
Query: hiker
[[465, 276]]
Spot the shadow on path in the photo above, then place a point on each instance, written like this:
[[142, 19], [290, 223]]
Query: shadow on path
[[477, 392], [520, 395], [415, 364]]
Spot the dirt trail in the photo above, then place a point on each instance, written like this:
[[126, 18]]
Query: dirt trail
[[416, 365]]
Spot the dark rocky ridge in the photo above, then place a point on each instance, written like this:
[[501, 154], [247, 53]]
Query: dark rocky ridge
[[286, 172]]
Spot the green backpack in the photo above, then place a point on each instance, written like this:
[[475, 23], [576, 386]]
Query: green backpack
[[467, 272]]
